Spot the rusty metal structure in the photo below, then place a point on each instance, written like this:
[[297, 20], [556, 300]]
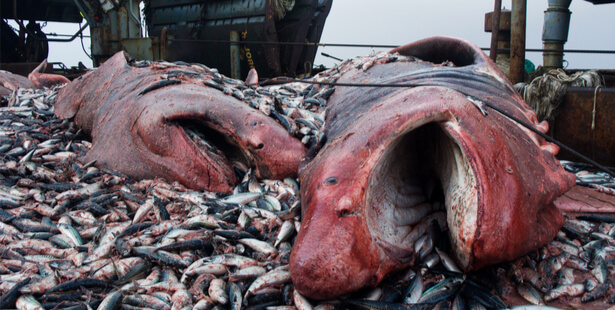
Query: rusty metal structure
[[584, 118], [203, 31], [555, 32], [273, 36], [29, 44], [517, 41], [584, 107]]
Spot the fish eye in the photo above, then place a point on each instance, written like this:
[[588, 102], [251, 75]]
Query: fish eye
[[331, 181], [254, 123]]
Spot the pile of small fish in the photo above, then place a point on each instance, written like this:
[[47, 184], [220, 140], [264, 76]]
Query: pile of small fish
[[298, 107], [601, 181], [76, 237], [72, 234]]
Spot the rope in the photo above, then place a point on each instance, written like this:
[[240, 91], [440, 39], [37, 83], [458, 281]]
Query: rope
[[283, 80], [594, 108], [545, 93]]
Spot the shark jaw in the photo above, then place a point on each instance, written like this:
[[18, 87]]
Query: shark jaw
[[422, 178]]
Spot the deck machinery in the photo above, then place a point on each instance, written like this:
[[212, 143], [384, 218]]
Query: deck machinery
[[231, 35]]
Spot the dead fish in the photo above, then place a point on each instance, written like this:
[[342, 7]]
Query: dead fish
[[140, 269], [260, 246], [199, 269], [217, 291], [8, 299], [274, 277], [111, 301], [530, 294], [28, 302], [181, 299], [141, 300], [301, 302], [599, 292], [160, 257], [235, 296], [106, 243], [35, 186], [76, 284], [414, 291], [448, 262], [192, 244], [571, 290], [231, 260], [40, 286], [375, 305], [442, 290], [71, 233]]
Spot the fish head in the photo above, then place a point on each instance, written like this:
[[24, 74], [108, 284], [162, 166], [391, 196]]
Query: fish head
[[202, 134], [166, 120], [9, 82], [407, 160], [338, 257], [353, 234], [272, 152]]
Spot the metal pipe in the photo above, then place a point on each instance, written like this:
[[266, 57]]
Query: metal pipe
[[20, 23], [555, 32], [495, 30], [164, 42], [517, 41], [235, 59], [331, 56], [114, 39], [131, 12], [55, 34]]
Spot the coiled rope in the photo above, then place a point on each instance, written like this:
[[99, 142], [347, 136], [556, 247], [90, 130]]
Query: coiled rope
[[545, 93]]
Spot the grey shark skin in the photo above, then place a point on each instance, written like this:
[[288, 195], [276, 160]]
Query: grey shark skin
[[367, 194]]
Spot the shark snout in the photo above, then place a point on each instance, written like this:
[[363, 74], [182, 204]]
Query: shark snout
[[334, 261]]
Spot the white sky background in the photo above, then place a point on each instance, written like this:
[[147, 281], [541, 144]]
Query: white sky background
[[397, 22]]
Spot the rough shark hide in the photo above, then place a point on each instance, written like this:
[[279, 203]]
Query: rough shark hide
[[150, 119], [399, 159]]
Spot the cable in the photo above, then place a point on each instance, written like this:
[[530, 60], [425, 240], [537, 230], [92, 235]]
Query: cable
[[331, 56], [500, 50], [83, 46], [283, 80], [546, 137]]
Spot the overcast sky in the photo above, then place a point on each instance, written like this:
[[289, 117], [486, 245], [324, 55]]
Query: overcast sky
[[399, 22]]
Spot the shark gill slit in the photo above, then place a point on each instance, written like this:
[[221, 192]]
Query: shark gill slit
[[422, 177]]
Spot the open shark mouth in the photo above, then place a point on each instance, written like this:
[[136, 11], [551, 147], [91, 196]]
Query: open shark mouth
[[420, 173], [215, 145], [398, 160]]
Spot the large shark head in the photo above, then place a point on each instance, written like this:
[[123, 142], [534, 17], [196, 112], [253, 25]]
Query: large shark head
[[397, 160], [162, 119]]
